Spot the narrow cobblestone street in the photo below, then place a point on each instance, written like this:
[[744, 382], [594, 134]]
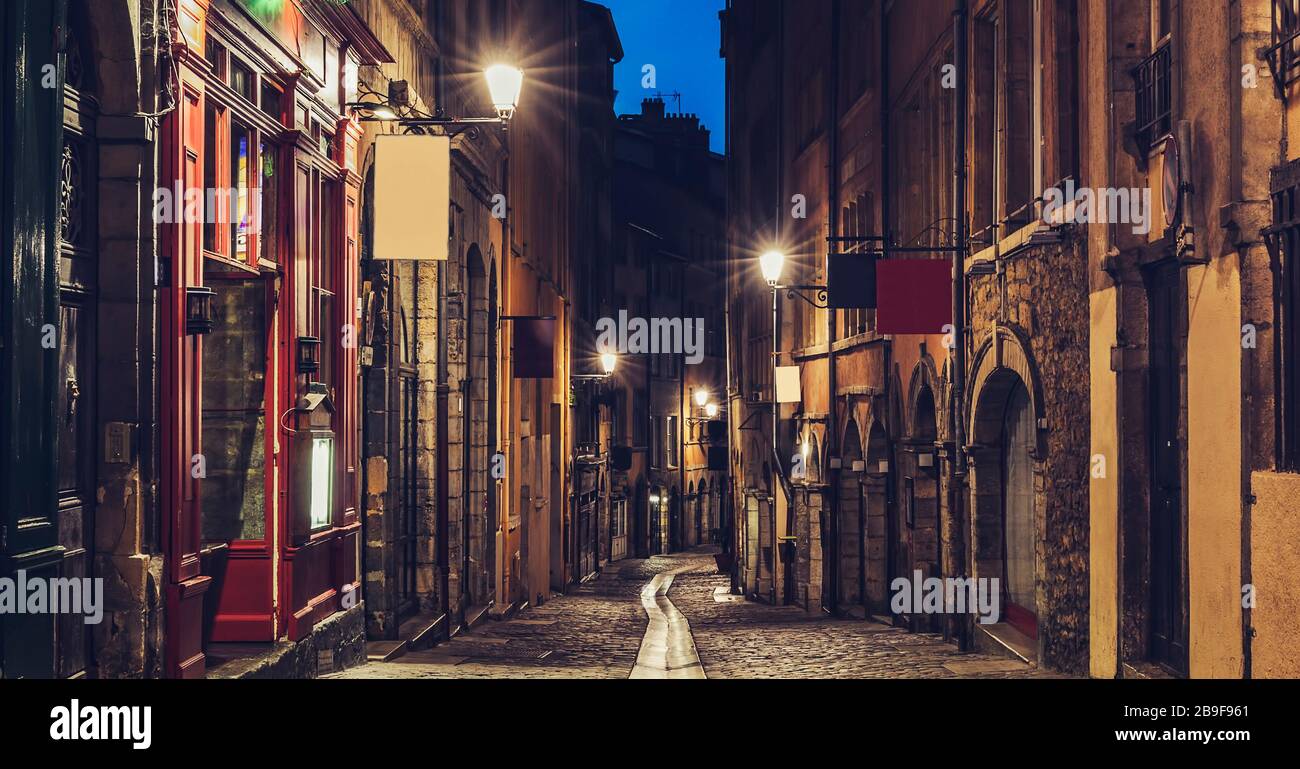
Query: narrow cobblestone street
[[597, 631]]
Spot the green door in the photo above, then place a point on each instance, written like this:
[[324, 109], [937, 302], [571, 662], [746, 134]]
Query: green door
[[31, 131]]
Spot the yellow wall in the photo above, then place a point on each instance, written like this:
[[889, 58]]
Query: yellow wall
[[1275, 562], [1103, 493], [1214, 494]]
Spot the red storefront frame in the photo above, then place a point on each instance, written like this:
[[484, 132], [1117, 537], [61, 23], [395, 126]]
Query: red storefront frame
[[271, 588]]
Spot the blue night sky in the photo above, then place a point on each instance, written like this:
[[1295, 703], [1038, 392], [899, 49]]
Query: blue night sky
[[681, 39]]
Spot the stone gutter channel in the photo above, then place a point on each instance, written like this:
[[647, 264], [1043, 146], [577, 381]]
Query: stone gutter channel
[[667, 649]]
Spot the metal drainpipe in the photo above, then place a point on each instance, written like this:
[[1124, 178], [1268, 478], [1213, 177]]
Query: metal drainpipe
[[831, 498], [466, 429], [684, 412], [776, 474], [727, 503], [885, 213], [442, 485], [958, 467]]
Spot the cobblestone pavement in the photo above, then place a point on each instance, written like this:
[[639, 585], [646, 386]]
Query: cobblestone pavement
[[596, 631], [593, 632], [746, 639]]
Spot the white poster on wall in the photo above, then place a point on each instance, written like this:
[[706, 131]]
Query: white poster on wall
[[787, 384], [412, 197]]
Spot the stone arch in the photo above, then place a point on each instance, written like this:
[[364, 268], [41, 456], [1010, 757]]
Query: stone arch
[[814, 468], [918, 493], [851, 549], [475, 432], [880, 531], [115, 48], [703, 511], [1005, 350], [1006, 449], [925, 377]]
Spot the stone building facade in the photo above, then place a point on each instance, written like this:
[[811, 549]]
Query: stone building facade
[[82, 340], [667, 264], [443, 538], [1116, 444]]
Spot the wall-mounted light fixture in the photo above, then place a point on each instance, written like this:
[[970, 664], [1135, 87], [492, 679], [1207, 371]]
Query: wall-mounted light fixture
[[313, 464], [200, 311], [504, 83], [308, 354]]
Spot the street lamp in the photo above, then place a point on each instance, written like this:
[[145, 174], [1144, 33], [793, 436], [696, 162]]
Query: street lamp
[[701, 397], [504, 84], [608, 362], [711, 410], [771, 263]]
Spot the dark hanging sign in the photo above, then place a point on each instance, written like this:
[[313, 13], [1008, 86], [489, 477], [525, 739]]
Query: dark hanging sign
[[851, 281], [534, 348], [620, 458], [718, 458], [913, 296]]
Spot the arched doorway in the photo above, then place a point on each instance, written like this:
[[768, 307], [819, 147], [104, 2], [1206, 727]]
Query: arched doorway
[[1003, 495], [690, 517], [673, 541], [881, 528], [475, 532], [702, 512], [491, 348], [852, 512], [918, 493]]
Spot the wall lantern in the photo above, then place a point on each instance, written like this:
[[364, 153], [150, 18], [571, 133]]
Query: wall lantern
[[313, 463], [711, 410], [308, 355], [504, 85], [200, 312], [770, 264]]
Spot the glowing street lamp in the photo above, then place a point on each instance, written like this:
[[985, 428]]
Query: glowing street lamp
[[711, 410], [771, 264], [608, 362], [701, 397], [504, 84]]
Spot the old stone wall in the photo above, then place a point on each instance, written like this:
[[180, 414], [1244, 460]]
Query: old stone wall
[[1040, 292]]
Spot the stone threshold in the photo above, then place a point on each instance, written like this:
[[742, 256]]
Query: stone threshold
[[1001, 638], [335, 643]]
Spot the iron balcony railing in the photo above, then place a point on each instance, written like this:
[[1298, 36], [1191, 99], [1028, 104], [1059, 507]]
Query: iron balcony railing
[[1154, 81], [1284, 55]]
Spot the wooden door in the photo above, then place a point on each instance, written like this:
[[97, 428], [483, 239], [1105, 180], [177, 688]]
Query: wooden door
[[1168, 537]]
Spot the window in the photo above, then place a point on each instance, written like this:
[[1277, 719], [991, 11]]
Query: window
[[671, 437], [324, 262], [640, 416], [657, 457], [239, 167], [241, 219], [242, 80], [1017, 162], [1284, 53], [1153, 79], [1284, 245], [984, 111], [233, 491]]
